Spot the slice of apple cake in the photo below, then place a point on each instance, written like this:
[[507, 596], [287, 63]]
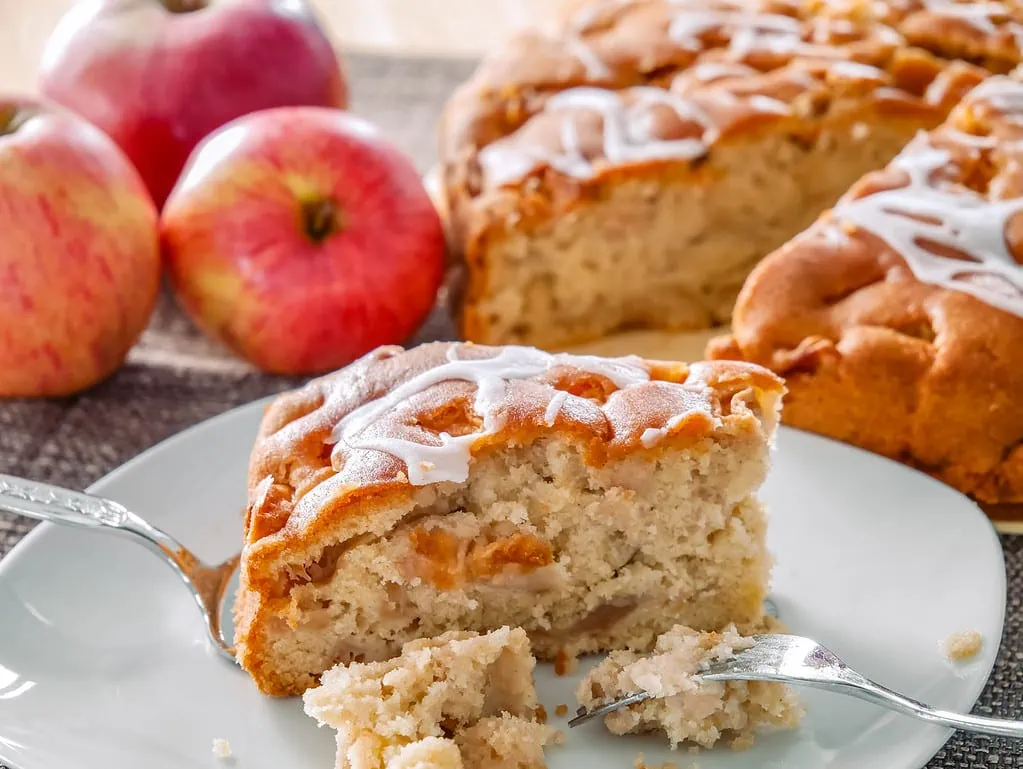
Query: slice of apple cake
[[592, 502]]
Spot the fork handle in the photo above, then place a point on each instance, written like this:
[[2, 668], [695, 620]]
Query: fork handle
[[880, 695], [45, 502], [843, 679], [55, 504]]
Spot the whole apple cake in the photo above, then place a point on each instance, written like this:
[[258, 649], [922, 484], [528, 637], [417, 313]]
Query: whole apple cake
[[685, 708], [628, 166], [458, 701], [593, 502], [897, 318]]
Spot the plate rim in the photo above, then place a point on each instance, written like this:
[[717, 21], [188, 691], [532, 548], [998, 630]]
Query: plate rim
[[922, 757]]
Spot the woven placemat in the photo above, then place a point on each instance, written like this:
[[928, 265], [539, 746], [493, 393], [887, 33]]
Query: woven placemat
[[175, 378]]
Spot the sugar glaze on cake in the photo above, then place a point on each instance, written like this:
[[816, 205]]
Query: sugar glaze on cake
[[896, 317], [628, 166], [449, 461], [949, 235], [456, 486]]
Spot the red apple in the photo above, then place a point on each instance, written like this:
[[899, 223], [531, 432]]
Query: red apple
[[302, 239], [160, 75], [79, 252]]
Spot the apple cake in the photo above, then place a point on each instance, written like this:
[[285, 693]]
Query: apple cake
[[593, 502], [629, 165], [458, 701], [686, 709], [897, 318]]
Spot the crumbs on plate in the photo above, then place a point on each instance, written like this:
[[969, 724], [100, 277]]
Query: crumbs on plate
[[963, 645], [565, 664], [222, 748], [640, 763]]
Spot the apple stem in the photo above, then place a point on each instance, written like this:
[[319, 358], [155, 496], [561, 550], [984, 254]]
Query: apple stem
[[320, 219], [12, 118], [184, 6]]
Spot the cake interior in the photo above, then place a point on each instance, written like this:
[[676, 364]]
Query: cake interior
[[458, 701], [584, 558], [686, 709], [669, 248]]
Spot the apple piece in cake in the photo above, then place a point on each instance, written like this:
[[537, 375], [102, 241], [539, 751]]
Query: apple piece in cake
[[593, 502], [688, 710], [458, 701]]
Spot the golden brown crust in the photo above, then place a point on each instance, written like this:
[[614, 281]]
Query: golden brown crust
[[303, 493], [527, 138], [295, 485], [919, 371]]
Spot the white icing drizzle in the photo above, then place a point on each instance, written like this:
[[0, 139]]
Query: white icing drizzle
[[595, 67], [696, 396], [978, 15], [627, 132], [981, 16], [750, 31], [854, 70], [939, 89], [824, 28], [585, 17], [583, 20], [627, 135], [1005, 95], [652, 435], [550, 416], [709, 71], [910, 217], [763, 103], [450, 460]]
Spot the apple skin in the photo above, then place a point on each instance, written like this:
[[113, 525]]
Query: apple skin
[[302, 240], [79, 252], [158, 82]]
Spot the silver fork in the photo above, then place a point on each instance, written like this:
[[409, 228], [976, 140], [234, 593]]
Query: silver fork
[[801, 661], [208, 584]]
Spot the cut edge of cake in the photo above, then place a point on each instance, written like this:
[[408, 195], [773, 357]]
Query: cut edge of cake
[[594, 186], [896, 317]]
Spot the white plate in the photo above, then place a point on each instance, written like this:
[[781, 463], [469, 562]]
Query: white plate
[[103, 663]]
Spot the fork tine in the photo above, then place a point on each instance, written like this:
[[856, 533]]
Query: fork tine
[[624, 702], [770, 657]]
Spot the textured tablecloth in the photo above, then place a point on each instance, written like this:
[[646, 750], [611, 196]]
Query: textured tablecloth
[[174, 378]]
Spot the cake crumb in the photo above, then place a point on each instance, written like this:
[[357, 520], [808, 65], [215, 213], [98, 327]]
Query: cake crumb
[[420, 709], [640, 763], [558, 738], [222, 748], [688, 711], [427, 466], [541, 714], [565, 664], [963, 645], [561, 710], [743, 742]]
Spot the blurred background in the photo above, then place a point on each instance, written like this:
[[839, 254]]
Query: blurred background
[[448, 28]]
